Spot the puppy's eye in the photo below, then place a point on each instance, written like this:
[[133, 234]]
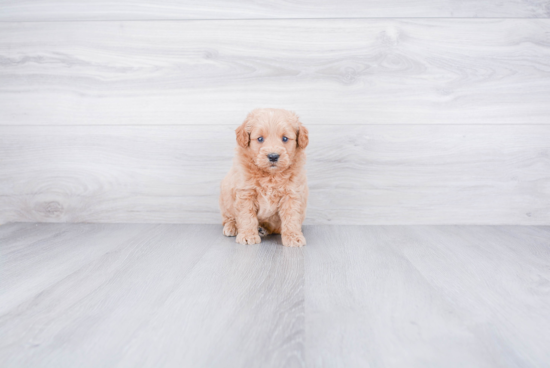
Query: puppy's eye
[[261, 139], [285, 139]]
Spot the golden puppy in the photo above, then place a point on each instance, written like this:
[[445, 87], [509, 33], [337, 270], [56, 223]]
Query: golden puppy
[[266, 189]]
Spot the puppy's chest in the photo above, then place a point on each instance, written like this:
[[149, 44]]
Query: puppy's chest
[[269, 198]]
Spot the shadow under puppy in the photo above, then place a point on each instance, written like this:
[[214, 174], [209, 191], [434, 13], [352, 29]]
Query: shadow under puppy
[[266, 190]]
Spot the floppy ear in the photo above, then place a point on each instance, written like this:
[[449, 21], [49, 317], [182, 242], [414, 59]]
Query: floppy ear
[[303, 138], [243, 138]]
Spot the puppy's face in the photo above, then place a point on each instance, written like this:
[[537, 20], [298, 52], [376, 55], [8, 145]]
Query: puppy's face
[[271, 138]]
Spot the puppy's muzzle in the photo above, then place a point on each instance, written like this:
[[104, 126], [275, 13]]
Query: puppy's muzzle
[[273, 157]]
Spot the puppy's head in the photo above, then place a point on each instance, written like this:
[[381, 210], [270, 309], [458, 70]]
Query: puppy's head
[[272, 138]]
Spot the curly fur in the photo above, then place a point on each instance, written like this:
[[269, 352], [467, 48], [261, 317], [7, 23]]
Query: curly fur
[[259, 197]]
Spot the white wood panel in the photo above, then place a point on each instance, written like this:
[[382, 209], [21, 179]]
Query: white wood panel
[[329, 71], [408, 174], [52, 10]]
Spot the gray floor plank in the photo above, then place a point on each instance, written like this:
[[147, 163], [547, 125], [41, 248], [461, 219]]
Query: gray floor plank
[[111, 284], [357, 71], [30, 263], [427, 297], [241, 307], [374, 309], [185, 296], [52, 10], [173, 295], [498, 277]]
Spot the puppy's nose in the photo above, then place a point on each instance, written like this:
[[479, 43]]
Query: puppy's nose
[[273, 157]]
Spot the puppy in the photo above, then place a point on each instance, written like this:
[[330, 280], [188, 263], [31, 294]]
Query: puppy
[[266, 190]]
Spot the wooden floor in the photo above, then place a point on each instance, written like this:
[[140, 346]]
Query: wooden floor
[[108, 295]]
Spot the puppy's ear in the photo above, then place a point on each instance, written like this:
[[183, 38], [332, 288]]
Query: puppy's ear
[[243, 138], [303, 138]]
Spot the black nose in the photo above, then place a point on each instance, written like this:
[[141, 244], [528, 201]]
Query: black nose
[[273, 157]]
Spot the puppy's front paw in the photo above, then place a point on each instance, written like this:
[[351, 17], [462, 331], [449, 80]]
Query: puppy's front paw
[[229, 229], [248, 238], [293, 239]]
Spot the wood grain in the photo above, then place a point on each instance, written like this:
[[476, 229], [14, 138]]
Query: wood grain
[[30, 251], [162, 296], [49, 10], [126, 295], [410, 174], [369, 71], [427, 296]]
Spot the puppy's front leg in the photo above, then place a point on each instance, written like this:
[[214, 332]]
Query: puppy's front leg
[[291, 213], [247, 220]]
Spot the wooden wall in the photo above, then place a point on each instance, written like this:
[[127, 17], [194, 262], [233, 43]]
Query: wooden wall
[[125, 111]]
